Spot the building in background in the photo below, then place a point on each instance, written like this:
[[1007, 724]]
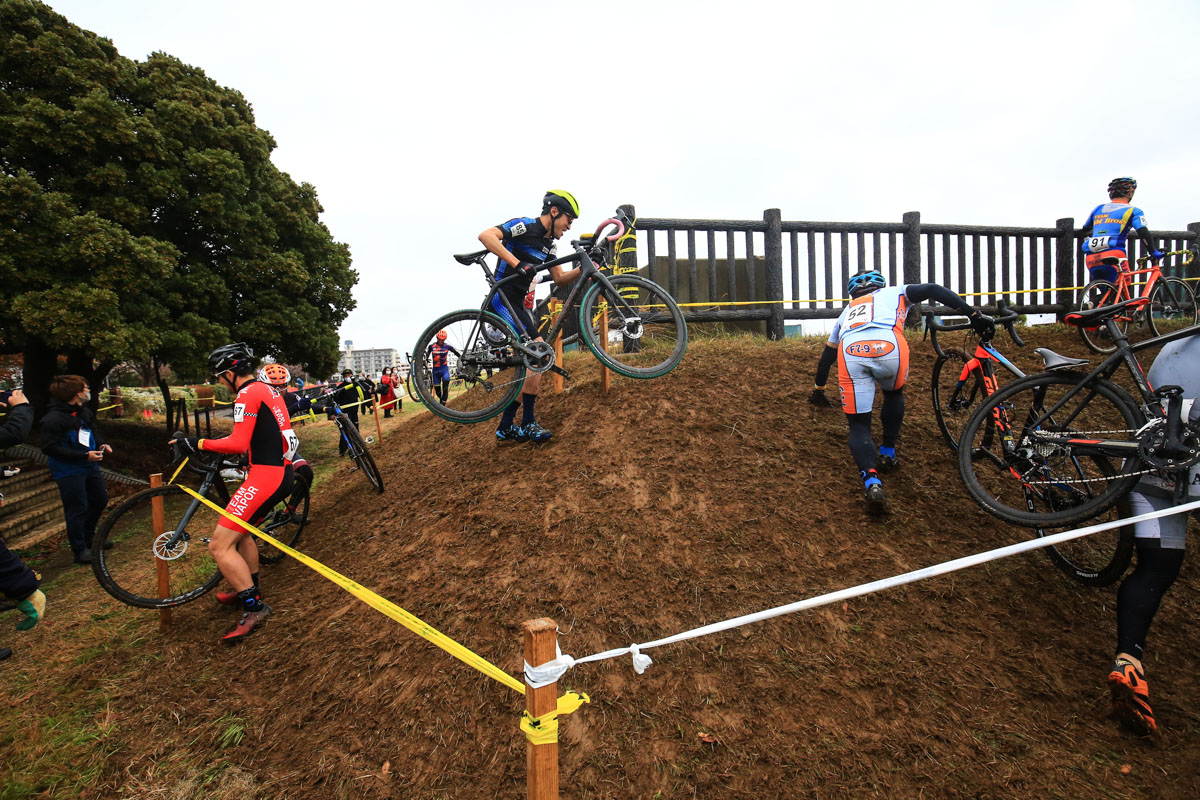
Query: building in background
[[370, 362]]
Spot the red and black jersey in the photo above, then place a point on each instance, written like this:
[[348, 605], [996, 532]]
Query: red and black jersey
[[440, 352], [261, 428]]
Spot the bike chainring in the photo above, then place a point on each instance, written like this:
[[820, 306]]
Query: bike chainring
[[1154, 452], [540, 358]]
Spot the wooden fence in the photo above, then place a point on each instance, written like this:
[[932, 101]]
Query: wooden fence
[[774, 270]]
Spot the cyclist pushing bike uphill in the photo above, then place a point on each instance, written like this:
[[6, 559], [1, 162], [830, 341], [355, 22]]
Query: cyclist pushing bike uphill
[[630, 324]]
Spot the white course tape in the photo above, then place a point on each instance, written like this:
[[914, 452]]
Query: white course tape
[[640, 661]]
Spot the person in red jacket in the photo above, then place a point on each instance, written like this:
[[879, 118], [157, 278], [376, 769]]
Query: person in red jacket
[[387, 392], [262, 430]]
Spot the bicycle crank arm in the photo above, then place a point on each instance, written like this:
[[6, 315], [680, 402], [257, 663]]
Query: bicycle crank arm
[[557, 370]]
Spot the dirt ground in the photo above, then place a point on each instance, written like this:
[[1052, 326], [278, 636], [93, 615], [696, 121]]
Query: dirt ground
[[664, 505]]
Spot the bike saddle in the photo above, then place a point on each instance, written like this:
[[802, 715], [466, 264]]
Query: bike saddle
[[1094, 316], [1055, 361], [470, 258]]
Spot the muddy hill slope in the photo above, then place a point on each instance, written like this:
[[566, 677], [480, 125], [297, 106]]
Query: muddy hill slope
[[664, 505]]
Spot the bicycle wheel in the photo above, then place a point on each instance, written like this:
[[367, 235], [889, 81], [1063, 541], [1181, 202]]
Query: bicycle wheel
[[1172, 307], [956, 392], [359, 454], [282, 526], [646, 335], [1100, 558], [1096, 294], [1034, 475], [490, 369], [129, 571]]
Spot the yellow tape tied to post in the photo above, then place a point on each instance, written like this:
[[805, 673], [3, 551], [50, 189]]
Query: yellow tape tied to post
[[544, 729]]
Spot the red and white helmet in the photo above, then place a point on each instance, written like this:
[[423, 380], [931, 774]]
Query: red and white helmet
[[274, 374], [441, 336]]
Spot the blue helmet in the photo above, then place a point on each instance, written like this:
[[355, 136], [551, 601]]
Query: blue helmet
[[865, 283]]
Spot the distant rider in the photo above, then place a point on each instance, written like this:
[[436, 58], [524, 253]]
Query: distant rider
[[522, 244], [868, 344], [1107, 228], [438, 359], [278, 377]]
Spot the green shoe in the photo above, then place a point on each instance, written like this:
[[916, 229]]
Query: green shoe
[[34, 608]]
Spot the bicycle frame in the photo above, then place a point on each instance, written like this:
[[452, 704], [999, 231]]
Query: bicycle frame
[[590, 274], [1125, 354]]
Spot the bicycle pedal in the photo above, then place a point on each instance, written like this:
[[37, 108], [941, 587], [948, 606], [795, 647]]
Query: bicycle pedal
[[560, 371]]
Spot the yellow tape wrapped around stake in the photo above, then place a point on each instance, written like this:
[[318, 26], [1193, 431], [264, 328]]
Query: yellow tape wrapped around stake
[[544, 729]]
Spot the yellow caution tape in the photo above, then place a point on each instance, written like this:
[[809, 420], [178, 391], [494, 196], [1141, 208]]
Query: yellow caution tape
[[380, 604], [544, 729], [106, 408]]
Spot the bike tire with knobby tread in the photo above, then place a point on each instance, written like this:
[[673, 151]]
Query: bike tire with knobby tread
[[422, 377], [288, 533], [1096, 294], [1176, 296], [1121, 410], [128, 571], [1098, 561], [673, 322], [950, 421], [360, 455]]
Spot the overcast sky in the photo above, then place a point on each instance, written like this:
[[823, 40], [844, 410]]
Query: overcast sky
[[422, 124]]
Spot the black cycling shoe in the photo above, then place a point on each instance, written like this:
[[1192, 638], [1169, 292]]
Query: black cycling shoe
[[876, 499], [885, 464]]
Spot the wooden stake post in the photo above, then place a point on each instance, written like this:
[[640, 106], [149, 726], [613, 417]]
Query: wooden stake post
[[541, 760], [378, 426], [604, 344], [164, 579], [555, 307]]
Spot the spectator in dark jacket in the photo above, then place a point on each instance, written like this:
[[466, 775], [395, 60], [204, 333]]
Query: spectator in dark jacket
[[75, 449], [17, 581], [351, 395]]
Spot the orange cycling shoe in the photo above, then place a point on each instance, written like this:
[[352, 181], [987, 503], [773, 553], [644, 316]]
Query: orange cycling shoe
[[1131, 698]]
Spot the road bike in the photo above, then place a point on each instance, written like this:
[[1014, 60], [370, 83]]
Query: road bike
[[356, 448], [631, 325], [1061, 446], [1164, 304], [130, 570]]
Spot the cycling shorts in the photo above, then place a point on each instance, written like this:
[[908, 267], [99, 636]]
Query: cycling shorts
[[1104, 266], [262, 490], [868, 356], [524, 320], [1171, 532], [441, 374]]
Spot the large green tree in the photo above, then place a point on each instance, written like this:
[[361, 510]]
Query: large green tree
[[141, 216]]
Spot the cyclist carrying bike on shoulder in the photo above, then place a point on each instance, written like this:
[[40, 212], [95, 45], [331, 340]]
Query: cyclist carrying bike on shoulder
[[522, 244], [1107, 229], [868, 344], [261, 430]]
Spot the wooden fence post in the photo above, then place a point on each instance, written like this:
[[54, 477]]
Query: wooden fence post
[[774, 265], [912, 247], [541, 760], [1194, 267], [158, 518], [626, 263], [1064, 271], [115, 397], [378, 426]]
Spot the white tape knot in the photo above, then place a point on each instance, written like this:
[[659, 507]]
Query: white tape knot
[[640, 662], [550, 672]]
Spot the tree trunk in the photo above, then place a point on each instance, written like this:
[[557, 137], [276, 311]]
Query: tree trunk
[[41, 364]]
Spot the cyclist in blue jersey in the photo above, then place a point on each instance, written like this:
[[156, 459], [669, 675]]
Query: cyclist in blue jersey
[[439, 362], [522, 244], [868, 344], [1160, 546], [1107, 228]]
